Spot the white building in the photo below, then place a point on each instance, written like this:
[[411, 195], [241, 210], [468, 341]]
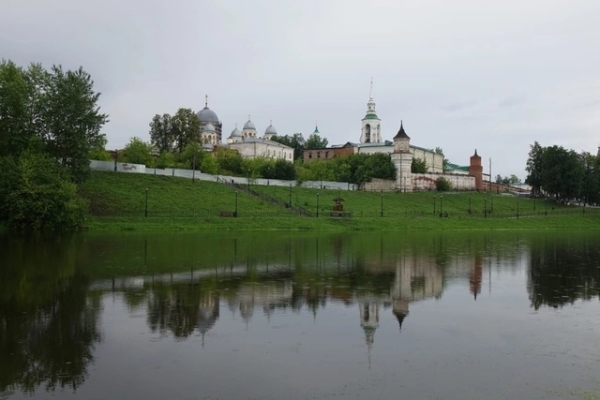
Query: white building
[[249, 145], [371, 141]]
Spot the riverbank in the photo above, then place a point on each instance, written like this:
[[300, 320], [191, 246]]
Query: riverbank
[[120, 201]]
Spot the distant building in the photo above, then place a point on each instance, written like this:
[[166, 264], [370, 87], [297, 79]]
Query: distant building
[[371, 142], [209, 117]]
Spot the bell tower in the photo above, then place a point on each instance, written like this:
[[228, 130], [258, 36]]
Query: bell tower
[[371, 124]]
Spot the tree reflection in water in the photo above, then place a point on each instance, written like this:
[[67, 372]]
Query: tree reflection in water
[[48, 323]]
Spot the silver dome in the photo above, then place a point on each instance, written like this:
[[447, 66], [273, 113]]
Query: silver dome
[[207, 115], [208, 128], [235, 133], [271, 130], [249, 125]]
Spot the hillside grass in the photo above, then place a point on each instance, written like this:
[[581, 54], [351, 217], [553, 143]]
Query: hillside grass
[[117, 202]]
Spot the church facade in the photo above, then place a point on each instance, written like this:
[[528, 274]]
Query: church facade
[[246, 142], [371, 142]]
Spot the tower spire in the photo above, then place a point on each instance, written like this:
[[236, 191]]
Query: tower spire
[[205, 101], [371, 90]]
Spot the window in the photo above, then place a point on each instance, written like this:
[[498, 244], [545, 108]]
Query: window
[[318, 154], [310, 154], [326, 154]]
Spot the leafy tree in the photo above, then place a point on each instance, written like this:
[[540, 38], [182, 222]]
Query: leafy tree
[[162, 132], [561, 173], [418, 166], [590, 180], [534, 168], [229, 161], [72, 120], [137, 152], [284, 170], [192, 155], [14, 105], [59, 107], [296, 141], [209, 164], [439, 150], [185, 128], [98, 150], [315, 141], [44, 198]]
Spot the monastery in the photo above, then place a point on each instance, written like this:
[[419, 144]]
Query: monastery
[[250, 145]]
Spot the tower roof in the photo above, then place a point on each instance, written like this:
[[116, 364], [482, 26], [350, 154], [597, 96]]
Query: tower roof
[[206, 114], [249, 124], [401, 133], [208, 128], [235, 132], [271, 129]]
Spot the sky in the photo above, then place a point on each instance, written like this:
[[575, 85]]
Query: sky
[[462, 75]]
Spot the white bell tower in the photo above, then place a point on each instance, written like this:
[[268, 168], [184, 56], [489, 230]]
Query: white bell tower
[[371, 124]]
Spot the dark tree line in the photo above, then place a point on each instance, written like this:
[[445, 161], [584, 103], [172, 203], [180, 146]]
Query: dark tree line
[[49, 124], [563, 174]]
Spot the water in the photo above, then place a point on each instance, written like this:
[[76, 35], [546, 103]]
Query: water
[[301, 316]]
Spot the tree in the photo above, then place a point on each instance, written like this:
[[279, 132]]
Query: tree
[[561, 173], [161, 132], [418, 166], [72, 119], [59, 107], [229, 161], [98, 150], [534, 168], [439, 150], [14, 105], [185, 128], [296, 141], [315, 141], [137, 152], [44, 198]]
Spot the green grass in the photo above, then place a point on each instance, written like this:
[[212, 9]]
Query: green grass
[[118, 200]]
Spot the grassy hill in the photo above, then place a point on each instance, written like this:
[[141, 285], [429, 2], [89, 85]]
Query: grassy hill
[[118, 201]]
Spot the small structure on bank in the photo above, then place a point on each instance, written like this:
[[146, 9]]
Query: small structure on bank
[[338, 209]]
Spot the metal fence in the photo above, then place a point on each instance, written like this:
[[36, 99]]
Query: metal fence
[[293, 212]]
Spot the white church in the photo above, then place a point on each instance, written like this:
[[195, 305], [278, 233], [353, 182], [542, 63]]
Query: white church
[[246, 142]]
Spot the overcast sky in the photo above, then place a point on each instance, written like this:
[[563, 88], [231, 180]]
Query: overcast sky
[[462, 74]]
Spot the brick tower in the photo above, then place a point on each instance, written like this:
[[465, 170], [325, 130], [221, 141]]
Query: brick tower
[[476, 170]]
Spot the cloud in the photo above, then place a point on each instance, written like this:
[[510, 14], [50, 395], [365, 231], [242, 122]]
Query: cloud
[[456, 81]]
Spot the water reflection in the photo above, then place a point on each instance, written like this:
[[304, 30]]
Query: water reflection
[[563, 271], [48, 320], [52, 291]]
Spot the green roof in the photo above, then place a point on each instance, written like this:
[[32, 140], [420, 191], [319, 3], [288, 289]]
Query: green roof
[[371, 116]]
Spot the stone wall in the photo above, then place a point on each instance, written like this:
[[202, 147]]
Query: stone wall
[[422, 182]]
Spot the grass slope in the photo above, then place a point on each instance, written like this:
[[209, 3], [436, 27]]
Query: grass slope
[[118, 200]]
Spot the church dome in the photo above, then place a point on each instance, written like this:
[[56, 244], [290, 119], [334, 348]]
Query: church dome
[[235, 133], [271, 130], [207, 115], [249, 125], [208, 128]]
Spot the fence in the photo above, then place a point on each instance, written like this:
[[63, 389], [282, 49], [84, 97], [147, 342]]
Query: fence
[[142, 213]]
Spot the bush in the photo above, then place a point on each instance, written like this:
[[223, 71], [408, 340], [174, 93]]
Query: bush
[[442, 184], [44, 198]]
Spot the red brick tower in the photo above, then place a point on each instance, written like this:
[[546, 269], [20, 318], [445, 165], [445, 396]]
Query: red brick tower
[[476, 170]]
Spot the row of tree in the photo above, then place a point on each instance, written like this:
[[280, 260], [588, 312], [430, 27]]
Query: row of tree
[[563, 174], [49, 124]]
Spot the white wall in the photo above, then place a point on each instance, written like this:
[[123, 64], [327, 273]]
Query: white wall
[[188, 173]]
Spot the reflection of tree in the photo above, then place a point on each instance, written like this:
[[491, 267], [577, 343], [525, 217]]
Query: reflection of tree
[[181, 308], [48, 324], [563, 271], [50, 345]]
